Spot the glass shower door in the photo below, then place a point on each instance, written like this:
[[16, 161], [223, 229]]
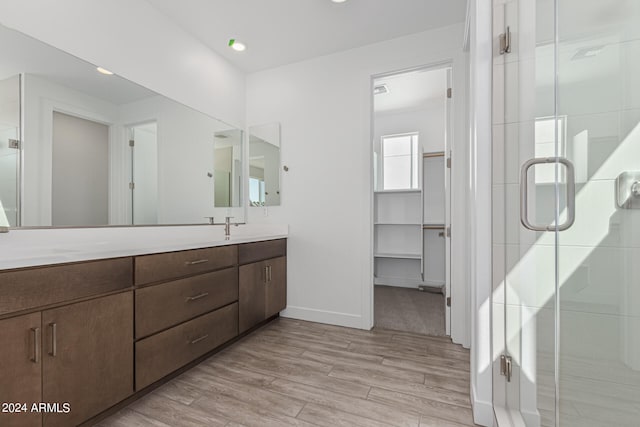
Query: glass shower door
[[566, 190], [598, 95], [531, 176]]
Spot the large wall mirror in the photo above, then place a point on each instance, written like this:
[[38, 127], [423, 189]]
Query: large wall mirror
[[82, 147], [264, 165]]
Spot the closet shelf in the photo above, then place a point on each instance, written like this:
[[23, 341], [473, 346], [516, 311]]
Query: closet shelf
[[415, 224], [415, 190], [398, 255]]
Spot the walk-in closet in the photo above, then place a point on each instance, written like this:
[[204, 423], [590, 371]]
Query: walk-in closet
[[411, 181]]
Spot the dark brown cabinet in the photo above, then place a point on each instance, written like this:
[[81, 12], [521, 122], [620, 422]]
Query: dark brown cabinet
[[20, 370], [262, 291], [88, 357], [251, 295], [87, 335], [79, 354], [276, 286], [163, 353]]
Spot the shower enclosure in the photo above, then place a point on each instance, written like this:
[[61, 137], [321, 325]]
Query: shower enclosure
[[566, 212]]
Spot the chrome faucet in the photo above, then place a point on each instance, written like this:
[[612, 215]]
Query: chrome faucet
[[227, 227]]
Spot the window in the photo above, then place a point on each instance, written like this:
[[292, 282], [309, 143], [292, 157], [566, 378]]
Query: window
[[256, 191], [400, 162]]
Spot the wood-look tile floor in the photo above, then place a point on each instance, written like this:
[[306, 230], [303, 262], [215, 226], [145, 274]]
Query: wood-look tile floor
[[295, 373]]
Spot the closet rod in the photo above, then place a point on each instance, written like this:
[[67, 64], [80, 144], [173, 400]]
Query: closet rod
[[434, 154], [433, 227]]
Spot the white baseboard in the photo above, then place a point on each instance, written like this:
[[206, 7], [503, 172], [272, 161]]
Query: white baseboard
[[323, 316], [482, 411]]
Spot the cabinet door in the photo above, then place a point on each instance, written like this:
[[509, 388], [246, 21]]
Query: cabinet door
[[88, 357], [251, 295], [20, 368], [276, 287]]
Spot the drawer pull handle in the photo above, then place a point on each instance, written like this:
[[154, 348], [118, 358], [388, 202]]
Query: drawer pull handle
[[199, 261], [197, 340], [197, 297], [36, 345], [54, 339]]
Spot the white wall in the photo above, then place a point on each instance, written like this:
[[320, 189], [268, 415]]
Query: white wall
[[134, 40], [324, 107], [429, 122], [185, 156]]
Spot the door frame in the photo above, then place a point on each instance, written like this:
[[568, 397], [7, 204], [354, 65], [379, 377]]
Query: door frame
[[449, 125]]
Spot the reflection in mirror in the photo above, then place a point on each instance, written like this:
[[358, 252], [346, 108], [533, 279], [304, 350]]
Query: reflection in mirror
[[227, 175], [264, 165], [9, 150], [143, 141], [100, 150]]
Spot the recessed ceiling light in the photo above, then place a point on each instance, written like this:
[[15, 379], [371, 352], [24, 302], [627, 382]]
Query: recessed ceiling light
[[104, 71], [380, 89], [338, 1], [237, 46]]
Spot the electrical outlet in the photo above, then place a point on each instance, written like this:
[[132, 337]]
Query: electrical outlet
[[266, 211]]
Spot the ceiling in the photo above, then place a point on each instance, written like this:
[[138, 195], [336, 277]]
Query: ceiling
[[279, 32], [411, 91]]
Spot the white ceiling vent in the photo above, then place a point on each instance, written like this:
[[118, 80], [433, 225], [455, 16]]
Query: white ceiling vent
[[380, 89]]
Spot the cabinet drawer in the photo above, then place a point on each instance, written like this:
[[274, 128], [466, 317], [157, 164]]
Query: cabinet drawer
[[162, 306], [171, 265], [252, 252], [35, 287], [163, 353]]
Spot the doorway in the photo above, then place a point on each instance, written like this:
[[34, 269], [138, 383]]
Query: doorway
[[411, 200], [80, 171]]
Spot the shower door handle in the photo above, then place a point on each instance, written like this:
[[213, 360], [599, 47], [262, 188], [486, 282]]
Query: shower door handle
[[571, 194]]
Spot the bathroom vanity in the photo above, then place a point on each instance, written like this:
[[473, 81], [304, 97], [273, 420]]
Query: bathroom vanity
[[85, 336]]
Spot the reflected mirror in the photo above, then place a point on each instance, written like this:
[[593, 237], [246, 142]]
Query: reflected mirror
[[96, 149], [264, 165], [227, 175]]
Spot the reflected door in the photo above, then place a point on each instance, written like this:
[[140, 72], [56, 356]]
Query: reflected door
[[10, 152], [143, 140]]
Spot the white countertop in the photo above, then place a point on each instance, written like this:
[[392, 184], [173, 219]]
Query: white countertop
[[29, 248]]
